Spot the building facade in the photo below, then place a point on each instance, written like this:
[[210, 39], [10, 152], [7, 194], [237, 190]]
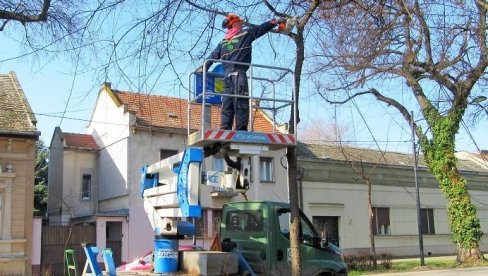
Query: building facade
[[127, 131], [334, 189], [18, 136]]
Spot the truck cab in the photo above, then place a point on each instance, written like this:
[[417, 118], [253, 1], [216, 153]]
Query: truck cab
[[260, 232]]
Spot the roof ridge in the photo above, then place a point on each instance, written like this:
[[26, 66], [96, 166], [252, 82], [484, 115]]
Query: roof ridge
[[352, 147], [77, 133], [149, 94]]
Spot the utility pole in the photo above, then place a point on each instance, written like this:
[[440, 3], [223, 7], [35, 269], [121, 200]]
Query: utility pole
[[419, 221]]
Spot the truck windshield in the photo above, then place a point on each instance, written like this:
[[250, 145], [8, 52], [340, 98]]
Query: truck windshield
[[244, 220]]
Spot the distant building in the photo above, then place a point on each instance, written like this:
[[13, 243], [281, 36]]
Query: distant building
[[335, 198], [18, 136]]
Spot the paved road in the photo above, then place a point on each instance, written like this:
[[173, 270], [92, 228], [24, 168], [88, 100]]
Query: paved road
[[475, 271]]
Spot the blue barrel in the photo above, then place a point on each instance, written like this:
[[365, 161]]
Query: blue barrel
[[165, 255]]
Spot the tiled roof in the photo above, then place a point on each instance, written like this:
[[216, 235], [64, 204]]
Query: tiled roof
[[15, 112], [168, 112], [343, 153], [80, 141]]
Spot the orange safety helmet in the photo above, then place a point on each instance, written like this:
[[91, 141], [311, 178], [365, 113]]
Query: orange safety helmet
[[230, 19]]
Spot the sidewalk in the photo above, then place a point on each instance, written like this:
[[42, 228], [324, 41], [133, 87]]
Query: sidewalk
[[471, 271]]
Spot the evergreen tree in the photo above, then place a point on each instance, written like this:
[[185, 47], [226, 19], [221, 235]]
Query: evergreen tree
[[40, 179]]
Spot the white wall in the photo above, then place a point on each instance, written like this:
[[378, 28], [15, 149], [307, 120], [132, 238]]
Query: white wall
[[109, 127], [349, 202], [75, 164], [36, 241], [55, 177]]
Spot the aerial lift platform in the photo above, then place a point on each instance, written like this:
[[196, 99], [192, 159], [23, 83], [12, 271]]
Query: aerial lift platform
[[276, 100], [171, 187], [276, 97]]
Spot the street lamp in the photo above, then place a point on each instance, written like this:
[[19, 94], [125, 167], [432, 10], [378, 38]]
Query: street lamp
[[419, 221], [477, 101]]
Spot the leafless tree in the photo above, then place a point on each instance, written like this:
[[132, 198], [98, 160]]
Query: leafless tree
[[334, 134], [139, 43], [438, 49], [358, 168], [41, 25]]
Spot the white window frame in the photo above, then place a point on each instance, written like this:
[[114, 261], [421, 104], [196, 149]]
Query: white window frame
[[266, 170]]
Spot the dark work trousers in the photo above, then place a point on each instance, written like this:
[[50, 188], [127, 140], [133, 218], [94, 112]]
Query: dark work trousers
[[236, 84]]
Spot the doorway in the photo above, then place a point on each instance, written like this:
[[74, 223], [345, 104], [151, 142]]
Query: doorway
[[114, 240], [328, 227]]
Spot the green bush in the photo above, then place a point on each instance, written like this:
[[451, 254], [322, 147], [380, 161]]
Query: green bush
[[365, 261]]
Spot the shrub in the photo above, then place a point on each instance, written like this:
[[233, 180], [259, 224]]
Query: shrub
[[365, 261]]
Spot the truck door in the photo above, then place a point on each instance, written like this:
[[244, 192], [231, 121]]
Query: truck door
[[283, 251], [247, 229]]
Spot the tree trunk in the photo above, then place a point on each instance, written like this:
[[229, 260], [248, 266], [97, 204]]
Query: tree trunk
[[296, 267], [467, 255], [461, 212], [291, 154]]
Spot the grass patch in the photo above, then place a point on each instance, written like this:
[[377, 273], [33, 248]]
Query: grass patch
[[414, 265]]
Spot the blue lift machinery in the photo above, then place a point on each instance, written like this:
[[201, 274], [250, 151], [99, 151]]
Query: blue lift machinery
[[171, 187], [91, 266]]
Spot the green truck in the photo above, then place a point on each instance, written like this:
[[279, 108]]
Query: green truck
[[260, 232]]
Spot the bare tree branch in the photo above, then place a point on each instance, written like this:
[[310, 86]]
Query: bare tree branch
[[24, 16], [206, 9]]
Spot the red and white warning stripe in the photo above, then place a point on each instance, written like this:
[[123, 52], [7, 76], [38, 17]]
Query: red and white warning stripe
[[219, 134], [281, 138]]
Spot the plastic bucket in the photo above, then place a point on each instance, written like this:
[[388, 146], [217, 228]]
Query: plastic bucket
[[165, 255]]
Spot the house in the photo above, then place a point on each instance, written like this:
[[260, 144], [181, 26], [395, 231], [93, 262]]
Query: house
[[18, 136], [334, 195], [94, 177]]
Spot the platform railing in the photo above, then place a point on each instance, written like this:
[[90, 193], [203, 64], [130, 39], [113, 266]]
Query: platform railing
[[276, 103]]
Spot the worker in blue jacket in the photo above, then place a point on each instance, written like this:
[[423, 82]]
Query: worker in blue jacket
[[237, 46]]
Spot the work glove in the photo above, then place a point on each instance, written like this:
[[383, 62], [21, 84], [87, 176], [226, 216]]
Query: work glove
[[281, 22]]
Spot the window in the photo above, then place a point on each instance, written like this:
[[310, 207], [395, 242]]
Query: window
[[266, 169], [200, 225], [218, 164], [86, 187], [327, 227], [202, 229], [427, 221], [308, 233], [245, 221], [216, 221], [381, 221], [165, 153]]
